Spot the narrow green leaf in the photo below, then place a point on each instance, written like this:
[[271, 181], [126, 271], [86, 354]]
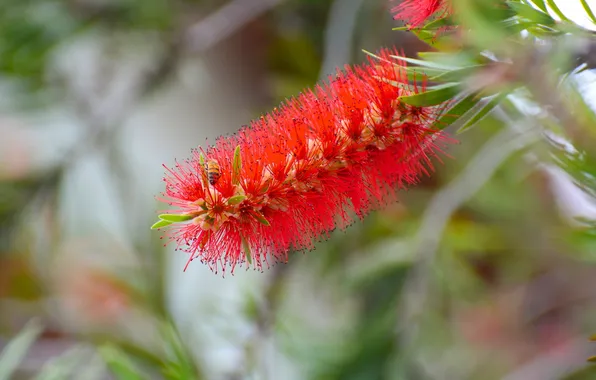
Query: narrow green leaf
[[17, 348], [119, 363], [456, 75], [588, 10], [160, 224], [530, 13], [246, 249], [430, 37], [554, 8], [540, 4], [489, 106], [236, 199], [260, 218], [236, 166], [438, 95], [451, 60], [544, 32], [418, 72], [175, 218], [459, 109], [403, 85], [422, 63], [439, 23]]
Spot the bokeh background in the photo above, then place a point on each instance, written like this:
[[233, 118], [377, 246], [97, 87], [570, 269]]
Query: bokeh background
[[480, 272]]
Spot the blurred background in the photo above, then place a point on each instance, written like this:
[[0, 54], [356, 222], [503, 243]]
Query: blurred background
[[494, 282]]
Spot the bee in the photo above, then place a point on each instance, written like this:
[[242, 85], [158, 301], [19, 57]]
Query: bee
[[212, 170]]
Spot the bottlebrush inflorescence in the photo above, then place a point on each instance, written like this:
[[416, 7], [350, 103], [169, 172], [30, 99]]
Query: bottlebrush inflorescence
[[416, 12], [298, 172]]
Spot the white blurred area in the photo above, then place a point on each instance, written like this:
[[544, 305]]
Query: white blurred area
[[573, 10]]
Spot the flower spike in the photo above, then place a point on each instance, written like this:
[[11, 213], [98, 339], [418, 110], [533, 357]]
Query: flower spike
[[302, 170]]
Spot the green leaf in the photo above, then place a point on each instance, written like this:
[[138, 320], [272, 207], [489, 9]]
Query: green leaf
[[438, 95], [439, 23], [246, 249], [160, 224], [489, 106], [119, 363], [175, 218], [236, 166], [260, 218], [553, 6], [451, 60], [540, 4], [588, 10], [430, 37], [417, 72], [530, 13], [236, 199], [422, 63], [459, 109], [17, 348], [456, 75]]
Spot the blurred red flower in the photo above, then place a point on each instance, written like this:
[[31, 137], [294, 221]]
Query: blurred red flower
[[300, 171], [416, 12]]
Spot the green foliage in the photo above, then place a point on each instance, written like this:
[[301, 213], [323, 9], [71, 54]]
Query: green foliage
[[28, 32], [31, 30], [119, 364], [432, 96]]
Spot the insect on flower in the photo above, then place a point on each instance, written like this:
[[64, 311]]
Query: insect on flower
[[212, 170], [309, 166]]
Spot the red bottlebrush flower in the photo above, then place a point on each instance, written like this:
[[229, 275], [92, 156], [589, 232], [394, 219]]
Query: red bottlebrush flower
[[298, 172], [416, 12]]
